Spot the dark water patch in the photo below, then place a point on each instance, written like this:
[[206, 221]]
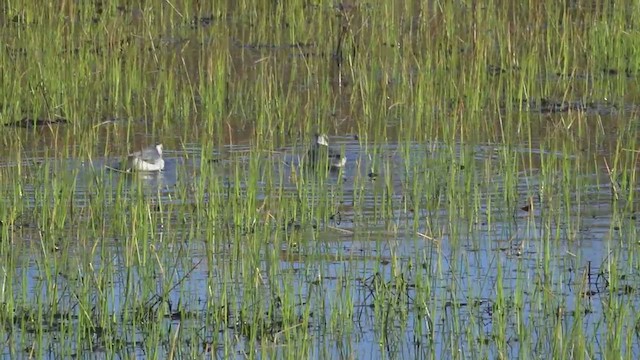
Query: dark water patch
[[111, 48], [629, 73], [547, 106], [15, 53], [495, 70], [115, 119], [606, 71], [552, 106], [21, 19], [202, 21], [29, 123], [273, 47]]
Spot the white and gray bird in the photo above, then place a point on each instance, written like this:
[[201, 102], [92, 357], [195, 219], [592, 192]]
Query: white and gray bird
[[145, 160]]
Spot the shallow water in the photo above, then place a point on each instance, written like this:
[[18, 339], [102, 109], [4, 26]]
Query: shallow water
[[324, 262]]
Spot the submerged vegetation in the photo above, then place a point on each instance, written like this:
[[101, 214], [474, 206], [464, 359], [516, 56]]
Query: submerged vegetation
[[486, 208]]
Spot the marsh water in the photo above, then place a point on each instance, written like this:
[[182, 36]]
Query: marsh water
[[481, 239]]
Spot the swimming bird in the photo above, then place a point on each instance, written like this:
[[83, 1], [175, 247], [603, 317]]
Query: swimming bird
[[320, 153], [146, 160]]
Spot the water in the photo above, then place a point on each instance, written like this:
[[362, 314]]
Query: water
[[442, 277]]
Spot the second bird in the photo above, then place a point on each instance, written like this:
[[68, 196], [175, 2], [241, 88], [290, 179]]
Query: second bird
[[320, 153]]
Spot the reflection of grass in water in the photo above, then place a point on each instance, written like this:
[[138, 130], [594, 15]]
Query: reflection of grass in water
[[445, 100]]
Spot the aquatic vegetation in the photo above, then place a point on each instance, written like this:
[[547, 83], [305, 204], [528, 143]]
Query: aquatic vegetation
[[487, 208]]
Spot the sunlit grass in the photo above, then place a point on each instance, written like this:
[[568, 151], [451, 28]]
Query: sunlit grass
[[493, 146]]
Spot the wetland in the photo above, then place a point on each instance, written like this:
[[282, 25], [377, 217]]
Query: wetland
[[481, 206]]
